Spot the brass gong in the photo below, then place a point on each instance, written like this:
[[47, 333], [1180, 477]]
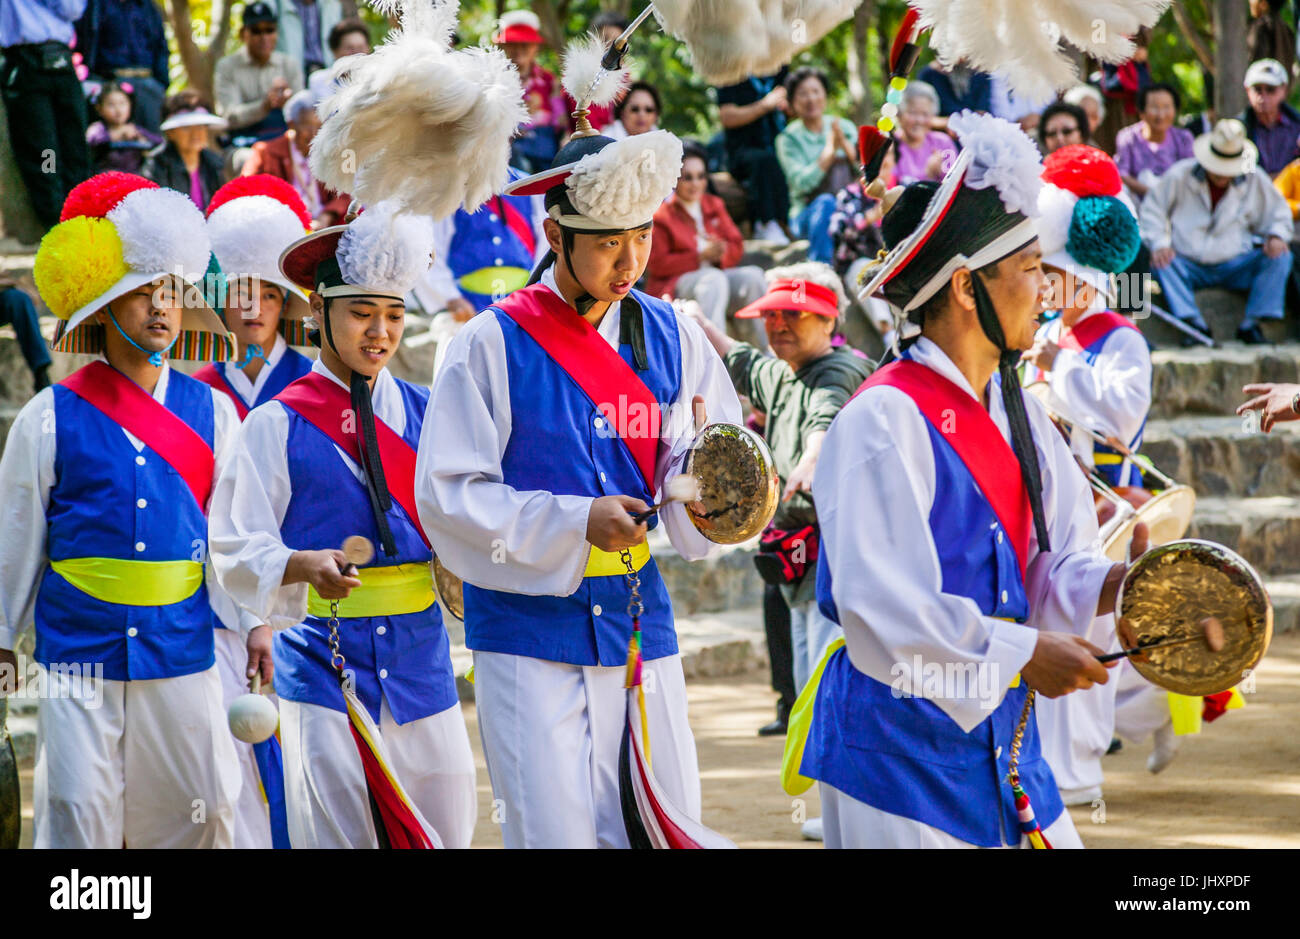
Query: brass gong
[[450, 590], [739, 486], [1168, 593]]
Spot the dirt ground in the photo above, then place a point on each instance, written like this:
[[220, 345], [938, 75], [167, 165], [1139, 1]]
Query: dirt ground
[[1237, 784]]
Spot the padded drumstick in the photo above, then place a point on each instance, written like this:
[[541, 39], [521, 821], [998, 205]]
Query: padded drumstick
[[358, 552], [1211, 634], [681, 488]]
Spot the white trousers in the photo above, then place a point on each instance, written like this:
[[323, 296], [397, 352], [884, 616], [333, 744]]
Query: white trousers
[[551, 736], [1075, 730], [848, 823], [1140, 707], [721, 293], [252, 818], [325, 785], [810, 634], [145, 764]]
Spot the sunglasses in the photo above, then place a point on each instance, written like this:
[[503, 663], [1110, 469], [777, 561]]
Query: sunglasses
[[643, 110], [789, 316], [1062, 132], [694, 177], [263, 30]]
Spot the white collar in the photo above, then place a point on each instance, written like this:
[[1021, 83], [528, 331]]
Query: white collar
[[249, 390], [385, 398], [609, 324], [926, 352], [160, 389]]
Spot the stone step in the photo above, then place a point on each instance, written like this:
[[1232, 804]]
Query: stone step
[[1265, 530], [1223, 310], [727, 581], [1226, 456], [1209, 381]]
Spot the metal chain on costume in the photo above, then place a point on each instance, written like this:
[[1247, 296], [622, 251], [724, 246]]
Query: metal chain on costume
[[1013, 773], [1029, 826], [634, 605], [336, 657]]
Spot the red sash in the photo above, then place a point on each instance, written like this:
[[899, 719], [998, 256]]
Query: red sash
[[967, 427], [1092, 328], [134, 409], [522, 227], [210, 375], [593, 365], [326, 406]]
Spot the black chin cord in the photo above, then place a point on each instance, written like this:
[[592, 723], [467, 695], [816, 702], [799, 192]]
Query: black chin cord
[[372, 467], [1022, 438]]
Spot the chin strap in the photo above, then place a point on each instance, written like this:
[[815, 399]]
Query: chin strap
[[372, 467], [1022, 438], [155, 358]]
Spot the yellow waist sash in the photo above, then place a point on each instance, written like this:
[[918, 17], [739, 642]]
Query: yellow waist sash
[[495, 280], [132, 583], [384, 591], [610, 563]]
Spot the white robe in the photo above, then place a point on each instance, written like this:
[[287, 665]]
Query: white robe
[[875, 488], [94, 800], [535, 543]]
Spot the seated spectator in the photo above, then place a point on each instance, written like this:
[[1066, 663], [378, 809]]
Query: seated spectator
[[1272, 125], [18, 311], [1089, 100], [959, 89], [818, 154], [253, 84], [1061, 125], [637, 112], [1268, 36], [348, 37], [921, 153], [186, 162], [115, 141], [1145, 150], [608, 25], [124, 41], [535, 145], [286, 158], [304, 28], [752, 114], [1192, 247], [696, 247]]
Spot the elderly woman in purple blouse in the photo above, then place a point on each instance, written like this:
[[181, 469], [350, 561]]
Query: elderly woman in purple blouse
[[1145, 150]]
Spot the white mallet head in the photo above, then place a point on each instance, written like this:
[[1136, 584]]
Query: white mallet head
[[683, 488], [253, 718]]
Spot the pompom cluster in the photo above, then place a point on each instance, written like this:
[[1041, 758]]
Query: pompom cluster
[[262, 184], [386, 250], [1103, 234], [250, 232], [77, 261], [1083, 170], [101, 193], [162, 231], [1001, 156], [622, 185]]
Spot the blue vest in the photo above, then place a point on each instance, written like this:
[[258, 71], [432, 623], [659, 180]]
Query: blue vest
[[1111, 472], [406, 659], [292, 366], [483, 239], [905, 756], [557, 446], [95, 511]]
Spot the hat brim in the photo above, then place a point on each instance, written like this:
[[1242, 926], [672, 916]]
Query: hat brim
[[1223, 166], [519, 32], [785, 299], [299, 261], [193, 120], [540, 183], [197, 317]]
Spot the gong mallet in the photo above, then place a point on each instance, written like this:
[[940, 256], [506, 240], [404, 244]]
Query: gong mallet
[[358, 552], [252, 717], [1211, 635], [681, 488]]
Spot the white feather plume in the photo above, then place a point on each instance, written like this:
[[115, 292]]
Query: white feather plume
[[162, 232], [250, 233], [419, 123], [584, 79], [386, 249], [1020, 40], [622, 185], [814, 272], [1001, 156]]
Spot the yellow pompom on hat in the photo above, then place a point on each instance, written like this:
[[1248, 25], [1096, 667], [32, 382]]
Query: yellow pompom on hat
[[116, 233]]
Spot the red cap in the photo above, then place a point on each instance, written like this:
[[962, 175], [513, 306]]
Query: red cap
[[794, 295], [519, 32]]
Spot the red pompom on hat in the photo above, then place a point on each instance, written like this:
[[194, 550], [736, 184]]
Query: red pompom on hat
[[1082, 170], [261, 184], [99, 195]]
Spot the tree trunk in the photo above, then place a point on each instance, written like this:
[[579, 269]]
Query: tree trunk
[[552, 14], [200, 61], [858, 61], [1194, 36], [1229, 57]]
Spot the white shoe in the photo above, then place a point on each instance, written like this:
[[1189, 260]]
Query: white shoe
[[771, 232], [1085, 796], [1165, 749], [812, 829]]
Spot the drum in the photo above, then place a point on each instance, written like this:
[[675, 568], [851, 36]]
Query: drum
[[739, 486], [1169, 592], [1167, 514]]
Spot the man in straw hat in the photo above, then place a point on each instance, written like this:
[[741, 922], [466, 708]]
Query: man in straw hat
[[1202, 221], [106, 478], [963, 575], [333, 456], [544, 435]]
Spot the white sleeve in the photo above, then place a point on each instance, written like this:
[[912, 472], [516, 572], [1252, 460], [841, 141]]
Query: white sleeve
[[225, 434], [1063, 584], [26, 478], [1115, 389], [485, 531], [248, 507], [703, 373], [874, 489]]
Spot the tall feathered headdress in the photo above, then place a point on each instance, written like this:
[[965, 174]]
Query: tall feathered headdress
[[419, 123]]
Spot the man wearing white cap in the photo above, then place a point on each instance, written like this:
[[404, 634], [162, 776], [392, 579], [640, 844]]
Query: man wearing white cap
[[1272, 125], [1202, 220]]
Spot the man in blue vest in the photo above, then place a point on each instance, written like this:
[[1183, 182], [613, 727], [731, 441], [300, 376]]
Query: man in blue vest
[[106, 478], [957, 537], [557, 413]]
